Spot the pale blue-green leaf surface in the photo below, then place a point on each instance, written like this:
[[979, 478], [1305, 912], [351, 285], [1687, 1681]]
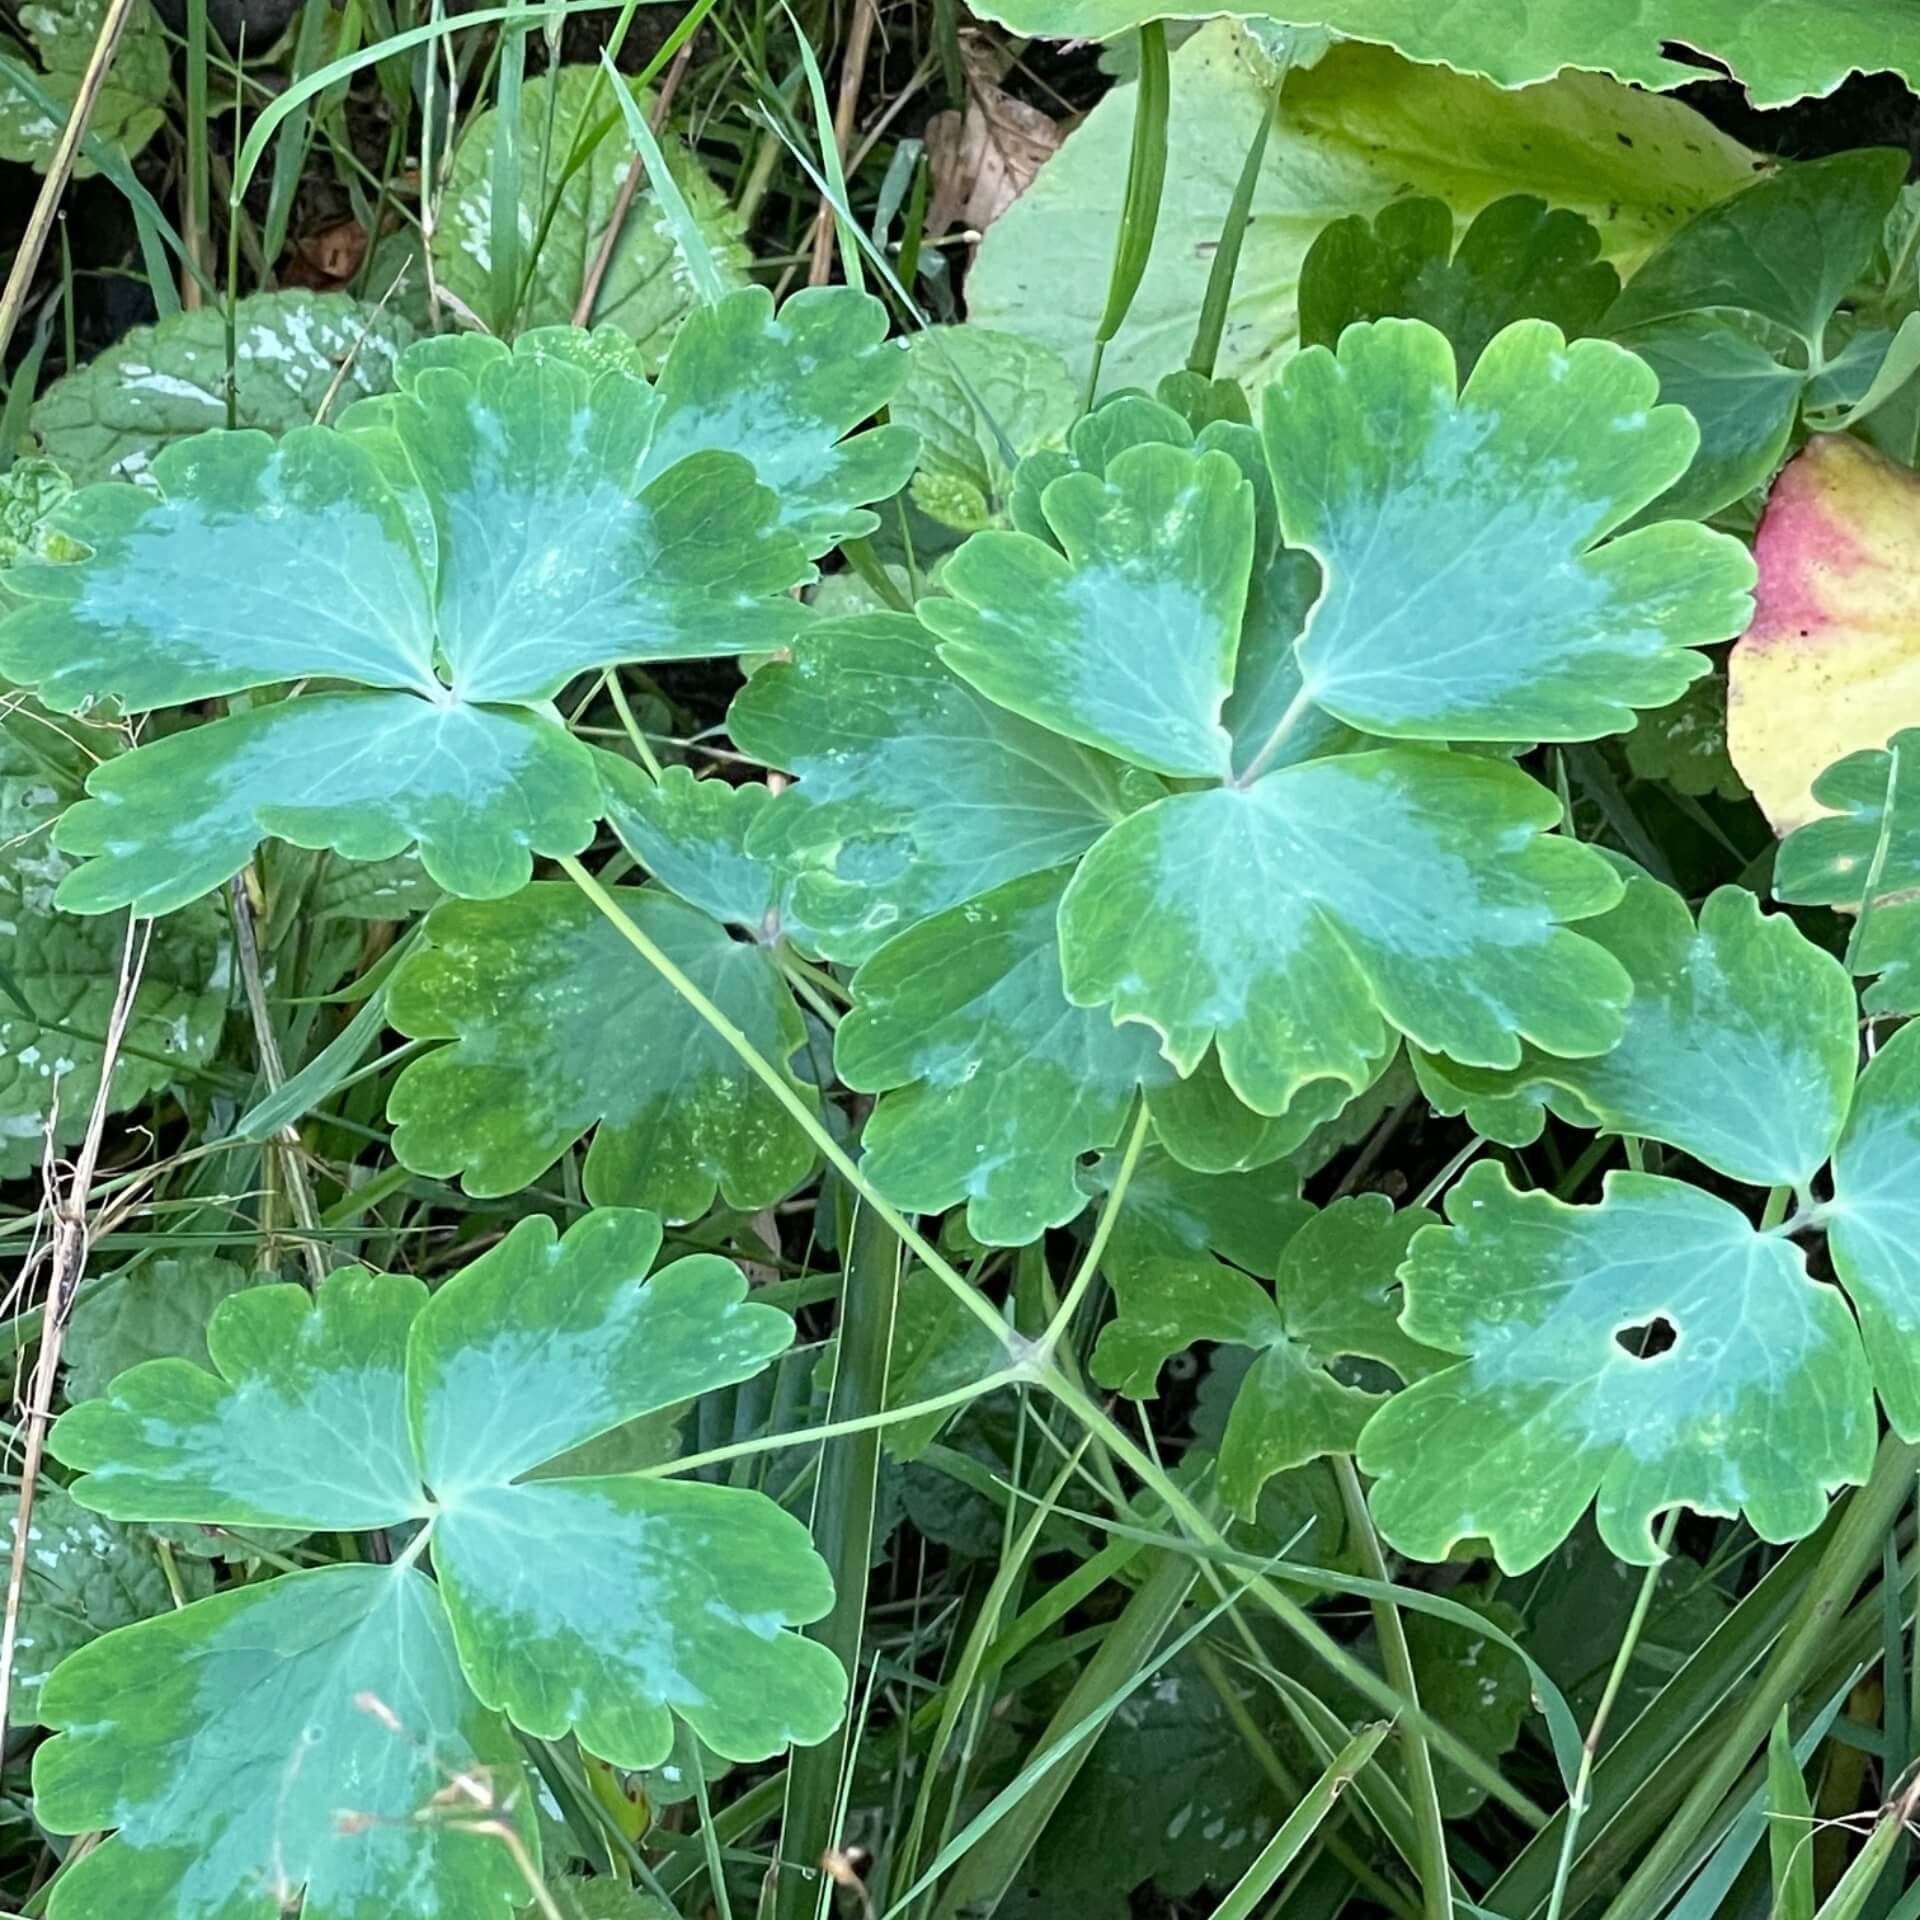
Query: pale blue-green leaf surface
[[1761, 1404], [276, 1741], [1301, 922]]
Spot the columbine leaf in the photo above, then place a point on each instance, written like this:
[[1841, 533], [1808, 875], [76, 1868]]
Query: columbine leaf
[[1739, 1044], [585, 1344], [993, 1083], [913, 792], [1873, 1222], [507, 520], [1125, 638], [84, 1576], [1354, 132], [1828, 667], [159, 1309], [1760, 1405], [1169, 1211], [60, 975], [303, 1423], [978, 400], [293, 353], [1298, 923], [1866, 849], [1519, 260], [1405, 495], [1737, 305], [275, 1739], [543, 976], [643, 290], [598, 1604], [1336, 1295]]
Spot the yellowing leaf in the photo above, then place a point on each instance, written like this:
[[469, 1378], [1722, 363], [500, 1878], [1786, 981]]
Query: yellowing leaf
[[1831, 664]]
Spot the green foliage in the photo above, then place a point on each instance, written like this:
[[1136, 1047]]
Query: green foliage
[[61, 34]]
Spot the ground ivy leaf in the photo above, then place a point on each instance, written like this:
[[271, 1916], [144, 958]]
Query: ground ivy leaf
[[1739, 1045], [587, 1339], [1761, 1404], [1336, 1295], [1685, 744], [157, 1310], [786, 391], [643, 291], [595, 1605], [992, 1082], [1403, 493], [1471, 1683], [1870, 838], [914, 793], [1829, 666], [676, 1117], [84, 1576], [978, 400], [1873, 1222], [302, 1423], [127, 103], [293, 354], [238, 1747], [691, 835], [1124, 639], [480, 791], [1301, 921], [62, 973], [1519, 260]]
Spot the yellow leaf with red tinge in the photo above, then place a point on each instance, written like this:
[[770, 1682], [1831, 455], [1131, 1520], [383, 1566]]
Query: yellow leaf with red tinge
[[1831, 663]]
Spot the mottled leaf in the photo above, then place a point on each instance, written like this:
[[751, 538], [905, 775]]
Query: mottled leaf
[[543, 976], [1569, 1389], [1739, 1044], [1301, 922], [1685, 744], [127, 109]]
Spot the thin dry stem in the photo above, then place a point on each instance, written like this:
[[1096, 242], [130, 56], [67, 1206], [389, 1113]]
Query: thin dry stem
[[853, 70]]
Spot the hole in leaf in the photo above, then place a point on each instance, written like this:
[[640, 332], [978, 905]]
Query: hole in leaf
[[1647, 1339]]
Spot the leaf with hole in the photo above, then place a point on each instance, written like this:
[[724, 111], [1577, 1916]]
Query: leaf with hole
[[543, 977], [1647, 1352]]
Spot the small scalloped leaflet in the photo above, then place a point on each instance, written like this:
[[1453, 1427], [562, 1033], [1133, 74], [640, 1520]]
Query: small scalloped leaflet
[[1739, 1047], [644, 290], [643, 1599], [456, 553], [60, 974], [1519, 260], [294, 353], [543, 975], [1782, 50], [1335, 1296], [1867, 848], [1357, 131], [1759, 1402], [1831, 662], [130, 106]]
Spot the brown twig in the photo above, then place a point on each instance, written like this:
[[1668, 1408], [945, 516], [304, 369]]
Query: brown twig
[[68, 1256], [623, 203], [853, 70], [26, 262]]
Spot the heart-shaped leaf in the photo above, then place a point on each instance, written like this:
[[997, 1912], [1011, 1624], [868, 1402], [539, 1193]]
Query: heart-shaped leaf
[[914, 793], [506, 521], [1335, 1295], [1739, 1045], [1300, 922], [1653, 1351], [542, 976]]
